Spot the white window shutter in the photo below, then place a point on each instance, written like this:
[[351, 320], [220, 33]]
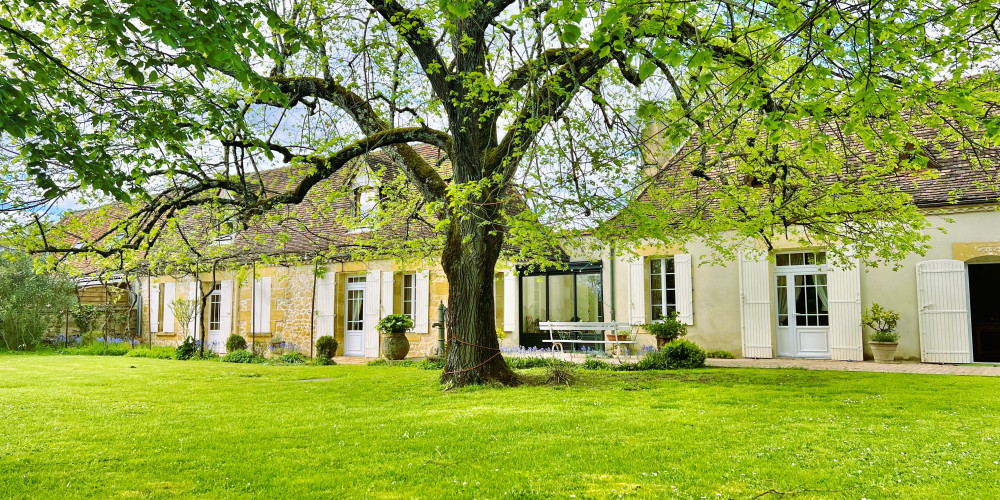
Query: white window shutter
[[325, 297], [195, 297], [844, 290], [943, 305], [387, 295], [169, 294], [683, 286], [262, 305], [226, 304], [509, 301], [755, 305], [154, 307], [637, 291], [373, 295], [421, 302]]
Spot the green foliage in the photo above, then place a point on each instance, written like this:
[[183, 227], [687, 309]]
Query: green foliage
[[394, 323], [187, 350], [84, 316], [321, 361], [30, 302], [98, 349], [597, 364], [403, 363], [526, 362], [720, 354], [668, 328], [431, 364], [154, 352], [289, 358], [242, 356], [326, 347], [683, 354], [236, 342], [882, 321], [184, 311]]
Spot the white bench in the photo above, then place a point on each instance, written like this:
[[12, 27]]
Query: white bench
[[613, 329]]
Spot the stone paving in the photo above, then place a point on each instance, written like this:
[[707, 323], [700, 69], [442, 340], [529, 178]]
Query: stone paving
[[987, 370]]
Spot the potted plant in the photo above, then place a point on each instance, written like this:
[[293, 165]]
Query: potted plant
[[666, 329], [394, 327], [884, 340]]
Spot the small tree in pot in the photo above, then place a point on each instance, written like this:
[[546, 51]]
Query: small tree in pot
[[394, 327], [885, 339], [666, 329]]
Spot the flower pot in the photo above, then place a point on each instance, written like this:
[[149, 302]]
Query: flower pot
[[616, 338], [884, 352], [395, 346], [660, 342]]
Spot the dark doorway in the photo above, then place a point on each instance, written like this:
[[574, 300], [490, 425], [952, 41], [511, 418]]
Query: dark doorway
[[571, 294], [984, 298]]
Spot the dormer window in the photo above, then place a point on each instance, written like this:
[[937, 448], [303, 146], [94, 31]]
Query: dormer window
[[226, 231], [364, 202]]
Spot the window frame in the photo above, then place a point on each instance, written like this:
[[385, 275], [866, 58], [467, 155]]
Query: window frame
[[665, 306], [215, 308], [412, 302]]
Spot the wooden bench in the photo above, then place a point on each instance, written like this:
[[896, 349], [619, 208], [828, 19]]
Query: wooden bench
[[613, 329]]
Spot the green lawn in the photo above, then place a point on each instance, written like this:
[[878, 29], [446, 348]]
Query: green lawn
[[81, 426]]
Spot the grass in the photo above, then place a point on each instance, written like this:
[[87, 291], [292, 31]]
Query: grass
[[113, 427]]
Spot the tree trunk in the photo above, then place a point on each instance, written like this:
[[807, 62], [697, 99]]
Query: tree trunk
[[473, 350]]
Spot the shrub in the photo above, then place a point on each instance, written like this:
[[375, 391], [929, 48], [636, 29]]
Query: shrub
[[236, 343], [289, 358], [186, 350], [519, 363], [431, 364], [883, 321], [394, 323], [596, 364], [154, 352], [654, 360], [99, 349], [560, 375], [321, 361], [326, 347], [668, 328], [30, 302], [720, 354], [684, 354], [241, 356]]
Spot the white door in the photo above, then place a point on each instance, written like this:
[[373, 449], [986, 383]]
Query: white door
[[215, 337], [354, 332], [943, 302], [802, 305]]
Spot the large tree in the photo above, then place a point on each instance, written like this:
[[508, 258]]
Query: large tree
[[789, 116]]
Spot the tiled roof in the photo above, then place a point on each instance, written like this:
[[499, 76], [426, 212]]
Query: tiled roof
[[950, 179]]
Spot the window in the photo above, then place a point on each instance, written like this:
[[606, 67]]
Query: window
[[226, 231], [662, 288], [800, 259], [364, 202], [409, 294], [574, 294], [215, 308]]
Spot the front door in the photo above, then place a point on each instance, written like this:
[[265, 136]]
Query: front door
[[803, 315], [215, 337], [354, 332]]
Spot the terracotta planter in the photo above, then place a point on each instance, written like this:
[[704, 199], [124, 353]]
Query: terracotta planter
[[618, 338], [395, 346], [660, 342], [884, 352]]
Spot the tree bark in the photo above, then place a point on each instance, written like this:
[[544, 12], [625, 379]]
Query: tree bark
[[473, 350], [472, 246]]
